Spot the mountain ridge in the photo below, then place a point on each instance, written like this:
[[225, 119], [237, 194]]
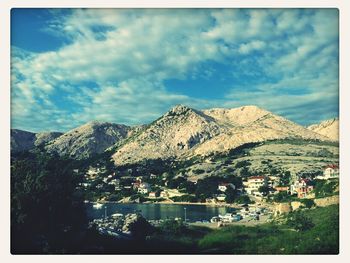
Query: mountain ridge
[[181, 132]]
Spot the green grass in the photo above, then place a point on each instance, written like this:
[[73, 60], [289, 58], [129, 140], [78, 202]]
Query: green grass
[[323, 238]]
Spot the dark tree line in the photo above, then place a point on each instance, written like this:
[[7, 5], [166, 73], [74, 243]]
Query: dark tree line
[[47, 212]]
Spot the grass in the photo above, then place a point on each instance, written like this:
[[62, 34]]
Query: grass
[[323, 238]]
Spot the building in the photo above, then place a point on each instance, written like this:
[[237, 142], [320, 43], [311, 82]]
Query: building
[[281, 189], [144, 188], [152, 195], [330, 172], [224, 186], [221, 197], [164, 194], [302, 188], [254, 183], [273, 181]]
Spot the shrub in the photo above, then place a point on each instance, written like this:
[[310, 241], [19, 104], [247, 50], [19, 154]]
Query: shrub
[[242, 164], [299, 221], [172, 226], [308, 203]]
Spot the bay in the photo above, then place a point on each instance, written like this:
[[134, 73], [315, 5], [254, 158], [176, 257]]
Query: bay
[[159, 211]]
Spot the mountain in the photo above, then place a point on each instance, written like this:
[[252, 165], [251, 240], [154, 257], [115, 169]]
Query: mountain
[[328, 128], [25, 140], [86, 140], [173, 134], [184, 132]]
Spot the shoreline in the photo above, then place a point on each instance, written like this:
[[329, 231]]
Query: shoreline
[[172, 203]]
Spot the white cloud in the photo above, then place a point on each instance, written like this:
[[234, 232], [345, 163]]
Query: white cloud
[[251, 46], [129, 53]]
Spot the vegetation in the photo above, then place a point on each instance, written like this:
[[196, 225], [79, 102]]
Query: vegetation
[[318, 234], [47, 212], [299, 221], [325, 188]]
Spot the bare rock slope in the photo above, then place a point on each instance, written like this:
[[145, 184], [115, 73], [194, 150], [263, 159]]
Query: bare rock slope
[[184, 132], [91, 138], [328, 128]]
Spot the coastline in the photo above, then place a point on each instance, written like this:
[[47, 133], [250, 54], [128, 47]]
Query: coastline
[[173, 203]]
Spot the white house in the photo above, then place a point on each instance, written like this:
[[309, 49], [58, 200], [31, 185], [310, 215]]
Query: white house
[[221, 197], [329, 172], [144, 188], [253, 183], [224, 186]]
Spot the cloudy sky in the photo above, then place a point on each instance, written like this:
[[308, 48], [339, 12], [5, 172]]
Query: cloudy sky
[[71, 66]]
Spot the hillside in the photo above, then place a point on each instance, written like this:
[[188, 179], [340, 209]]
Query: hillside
[[172, 135], [25, 140], [328, 128], [184, 132], [86, 140]]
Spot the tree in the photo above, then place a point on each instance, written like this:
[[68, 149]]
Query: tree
[[264, 189], [285, 178], [231, 195], [47, 212]]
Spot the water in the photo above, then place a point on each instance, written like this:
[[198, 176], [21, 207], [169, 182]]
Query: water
[[160, 211]]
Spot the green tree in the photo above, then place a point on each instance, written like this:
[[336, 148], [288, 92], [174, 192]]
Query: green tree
[[264, 189], [231, 195], [47, 212]]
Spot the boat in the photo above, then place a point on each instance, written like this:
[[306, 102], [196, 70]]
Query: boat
[[215, 219], [117, 215], [230, 217], [97, 206]]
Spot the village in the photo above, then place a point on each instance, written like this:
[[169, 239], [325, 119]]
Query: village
[[161, 188]]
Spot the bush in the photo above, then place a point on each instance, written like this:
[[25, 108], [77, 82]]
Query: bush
[[172, 226], [242, 164], [308, 203], [299, 221], [198, 171], [243, 199]]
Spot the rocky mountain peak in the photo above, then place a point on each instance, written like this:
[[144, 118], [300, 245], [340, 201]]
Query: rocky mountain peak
[[328, 128], [178, 110]]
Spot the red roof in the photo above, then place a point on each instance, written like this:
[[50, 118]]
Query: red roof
[[256, 177], [333, 166]]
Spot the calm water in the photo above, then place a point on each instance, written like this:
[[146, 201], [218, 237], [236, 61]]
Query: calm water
[[160, 211]]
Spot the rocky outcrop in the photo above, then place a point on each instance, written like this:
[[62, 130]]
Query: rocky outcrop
[[326, 201], [328, 128], [282, 208]]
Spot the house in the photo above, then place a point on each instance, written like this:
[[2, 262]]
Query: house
[[221, 197], [224, 186], [302, 188], [164, 194], [273, 181], [114, 182], [253, 184], [152, 176], [281, 188], [152, 195], [136, 185], [330, 172], [144, 188]]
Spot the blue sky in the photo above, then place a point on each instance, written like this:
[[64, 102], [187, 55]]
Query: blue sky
[[71, 66]]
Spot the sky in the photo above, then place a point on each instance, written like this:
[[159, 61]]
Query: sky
[[130, 66]]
